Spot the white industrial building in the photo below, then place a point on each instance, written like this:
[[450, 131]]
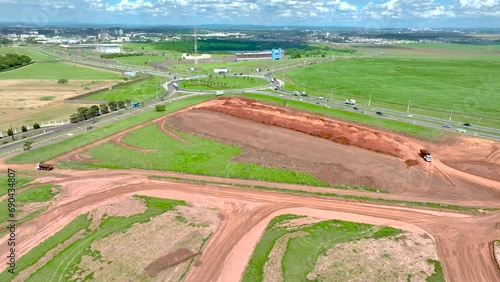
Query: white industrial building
[[108, 48]]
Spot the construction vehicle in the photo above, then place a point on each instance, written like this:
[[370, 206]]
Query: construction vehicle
[[426, 155], [44, 166], [350, 102]]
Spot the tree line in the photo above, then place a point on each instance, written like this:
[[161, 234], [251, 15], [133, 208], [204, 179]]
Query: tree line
[[13, 60], [86, 113]]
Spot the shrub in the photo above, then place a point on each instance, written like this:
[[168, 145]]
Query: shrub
[[62, 81], [36, 125], [160, 108], [24, 129]]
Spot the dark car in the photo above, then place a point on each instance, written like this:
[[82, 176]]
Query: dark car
[[379, 113], [467, 124], [446, 125], [355, 108], [304, 95]]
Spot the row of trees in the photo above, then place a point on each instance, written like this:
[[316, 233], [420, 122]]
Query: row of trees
[[13, 60], [86, 113], [10, 131]]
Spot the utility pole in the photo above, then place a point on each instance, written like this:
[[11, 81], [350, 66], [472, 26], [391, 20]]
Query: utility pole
[[451, 114], [331, 95], [370, 100], [408, 109]]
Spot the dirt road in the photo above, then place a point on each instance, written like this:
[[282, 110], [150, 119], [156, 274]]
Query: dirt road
[[462, 240]]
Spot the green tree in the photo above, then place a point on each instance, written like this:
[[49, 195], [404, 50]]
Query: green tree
[[36, 125], [120, 104], [94, 111], [23, 128], [160, 108], [62, 81], [128, 103], [10, 132], [103, 108], [84, 112], [112, 105]]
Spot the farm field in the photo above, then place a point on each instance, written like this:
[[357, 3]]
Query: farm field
[[219, 82], [433, 86], [139, 91], [26, 101], [339, 251], [34, 55], [58, 70]]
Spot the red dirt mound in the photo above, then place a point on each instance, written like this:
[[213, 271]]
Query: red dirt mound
[[335, 131]]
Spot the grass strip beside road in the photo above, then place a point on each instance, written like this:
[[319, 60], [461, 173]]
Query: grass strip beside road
[[67, 145], [333, 195]]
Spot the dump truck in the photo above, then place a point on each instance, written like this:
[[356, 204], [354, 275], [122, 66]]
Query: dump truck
[[426, 155], [44, 166]]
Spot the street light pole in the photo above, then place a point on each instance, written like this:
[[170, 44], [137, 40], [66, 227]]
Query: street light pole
[[451, 113], [370, 100]]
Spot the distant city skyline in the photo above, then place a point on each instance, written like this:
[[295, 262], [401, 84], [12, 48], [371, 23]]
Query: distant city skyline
[[352, 13]]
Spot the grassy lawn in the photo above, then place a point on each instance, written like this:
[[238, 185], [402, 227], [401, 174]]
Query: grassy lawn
[[434, 86], [56, 70], [65, 263], [246, 67], [220, 82], [142, 60], [403, 127], [51, 151], [322, 236], [34, 55], [140, 91], [22, 181], [198, 156]]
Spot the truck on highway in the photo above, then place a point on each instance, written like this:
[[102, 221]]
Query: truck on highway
[[350, 102], [44, 166], [426, 155]]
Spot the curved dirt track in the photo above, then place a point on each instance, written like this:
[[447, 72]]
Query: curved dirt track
[[462, 240], [161, 125], [118, 141]]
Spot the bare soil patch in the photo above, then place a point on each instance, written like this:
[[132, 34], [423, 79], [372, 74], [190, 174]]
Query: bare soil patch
[[496, 248], [159, 250], [386, 259], [328, 161]]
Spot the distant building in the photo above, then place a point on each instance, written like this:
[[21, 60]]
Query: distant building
[[103, 35], [220, 71], [108, 48], [120, 32], [274, 54]]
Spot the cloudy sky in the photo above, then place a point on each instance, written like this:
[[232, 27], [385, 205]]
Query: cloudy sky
[[360, 13]]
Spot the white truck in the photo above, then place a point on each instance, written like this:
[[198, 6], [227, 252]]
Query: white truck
[[175, 85], [350, 102], [426, 155]]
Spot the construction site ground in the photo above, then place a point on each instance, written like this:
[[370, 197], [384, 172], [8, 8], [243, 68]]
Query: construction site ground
[[333, 151]]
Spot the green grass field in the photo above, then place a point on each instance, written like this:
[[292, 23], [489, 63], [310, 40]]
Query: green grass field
[[65, 262], [50, 151], [219, 82], [246, 67], [142, 60], [56, 70], [34, 55], [403, 127], [302, 252], [140, 91], [198, 156], [433, 86], [22, 181]]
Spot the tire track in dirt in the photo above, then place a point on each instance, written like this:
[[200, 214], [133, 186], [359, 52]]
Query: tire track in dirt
[[118, 141], [462, 240], [161, 124]]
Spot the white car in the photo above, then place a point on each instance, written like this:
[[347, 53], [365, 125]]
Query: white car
[[460, 130]]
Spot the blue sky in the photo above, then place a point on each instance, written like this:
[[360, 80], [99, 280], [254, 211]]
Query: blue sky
[[360, 13]]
